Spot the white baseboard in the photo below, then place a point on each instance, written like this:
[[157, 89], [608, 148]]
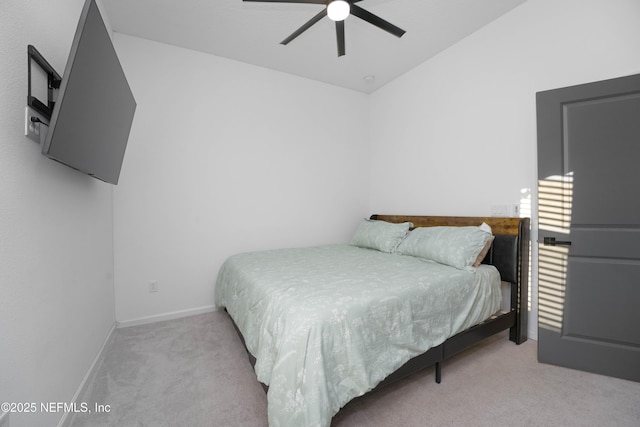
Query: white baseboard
[[4, 419], [165, 316], [66, 418]]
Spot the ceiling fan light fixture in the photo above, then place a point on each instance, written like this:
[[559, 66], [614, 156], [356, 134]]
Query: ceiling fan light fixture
[[338, 10]]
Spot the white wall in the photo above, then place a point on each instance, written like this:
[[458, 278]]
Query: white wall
[[227, 157], [56, 251], [458, 133]]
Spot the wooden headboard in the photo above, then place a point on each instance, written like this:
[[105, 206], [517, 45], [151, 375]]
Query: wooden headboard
[[499, 225], [509, 254]]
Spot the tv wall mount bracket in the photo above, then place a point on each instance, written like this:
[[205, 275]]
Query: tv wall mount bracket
[[53, 83]]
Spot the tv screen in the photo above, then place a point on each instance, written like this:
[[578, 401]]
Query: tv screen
[[94, 110]]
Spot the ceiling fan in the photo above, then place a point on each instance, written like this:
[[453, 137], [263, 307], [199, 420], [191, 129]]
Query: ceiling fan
[[338, 11]]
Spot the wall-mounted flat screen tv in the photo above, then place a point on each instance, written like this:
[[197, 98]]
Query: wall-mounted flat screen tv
[[93, 113]]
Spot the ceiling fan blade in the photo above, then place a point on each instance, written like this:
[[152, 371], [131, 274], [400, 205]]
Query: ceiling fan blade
[[290, 1], [340, 36], [376, 20], [306, 26]]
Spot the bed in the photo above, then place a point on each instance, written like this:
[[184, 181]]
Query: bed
[[324, 325]]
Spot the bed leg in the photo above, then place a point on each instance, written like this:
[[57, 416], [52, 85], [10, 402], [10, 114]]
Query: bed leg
[[438, 373]]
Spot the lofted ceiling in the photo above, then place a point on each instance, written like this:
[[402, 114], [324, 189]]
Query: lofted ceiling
[[251, 32]]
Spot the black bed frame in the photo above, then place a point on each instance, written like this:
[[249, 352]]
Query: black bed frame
[[509, 253]]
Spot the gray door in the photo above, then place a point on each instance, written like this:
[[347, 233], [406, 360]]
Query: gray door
[[589, 227]]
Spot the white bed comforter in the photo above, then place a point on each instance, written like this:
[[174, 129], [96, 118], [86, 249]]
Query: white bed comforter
[[327, 324]]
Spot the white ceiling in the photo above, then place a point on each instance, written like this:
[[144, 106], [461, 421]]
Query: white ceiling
[[251, 32]]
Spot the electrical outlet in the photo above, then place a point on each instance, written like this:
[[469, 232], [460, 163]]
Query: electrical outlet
[[4, 419], [510, 210], [35, 131], [153, 286]]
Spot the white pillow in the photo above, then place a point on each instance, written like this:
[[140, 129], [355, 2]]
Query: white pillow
[[455, 246], [380, 235]]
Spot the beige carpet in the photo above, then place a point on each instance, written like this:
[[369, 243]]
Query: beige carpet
[[193, 372]]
